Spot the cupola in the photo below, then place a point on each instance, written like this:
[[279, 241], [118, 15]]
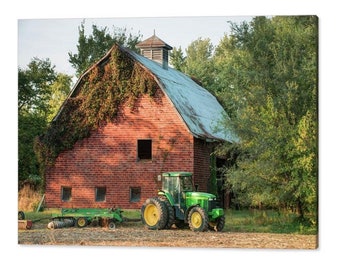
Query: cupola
[[155, 49]]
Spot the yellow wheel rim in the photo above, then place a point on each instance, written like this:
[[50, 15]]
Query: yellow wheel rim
[[196, 220], [151, 215], [81, 222]]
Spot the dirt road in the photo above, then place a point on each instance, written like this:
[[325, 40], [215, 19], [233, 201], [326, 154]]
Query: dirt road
[[135, 235]]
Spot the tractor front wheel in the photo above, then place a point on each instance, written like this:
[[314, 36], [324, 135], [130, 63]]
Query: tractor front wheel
[[154, 214], [217, 225], [198, 219]]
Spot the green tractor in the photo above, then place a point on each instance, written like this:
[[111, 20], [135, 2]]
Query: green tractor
[[178, 203]]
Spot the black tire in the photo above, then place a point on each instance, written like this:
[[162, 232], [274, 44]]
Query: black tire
[[154, 214], [95, 222], [21, 215], [198, 219], [217, 225], [112, 225], [81, 222], [171, 212]]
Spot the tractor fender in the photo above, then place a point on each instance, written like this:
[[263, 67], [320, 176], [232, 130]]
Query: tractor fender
[[167, 195], [216, 213]]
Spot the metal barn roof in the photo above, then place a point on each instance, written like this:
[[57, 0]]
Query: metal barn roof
[[199, 109]]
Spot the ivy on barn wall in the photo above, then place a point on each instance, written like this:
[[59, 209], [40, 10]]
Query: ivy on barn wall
[[113, 81]]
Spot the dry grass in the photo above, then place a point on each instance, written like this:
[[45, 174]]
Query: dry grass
[[28, 199]]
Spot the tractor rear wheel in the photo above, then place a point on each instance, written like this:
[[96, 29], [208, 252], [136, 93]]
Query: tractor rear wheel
[[198, 219], [154, 214], [171, 212]]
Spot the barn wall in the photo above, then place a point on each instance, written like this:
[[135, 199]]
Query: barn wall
[[202, 151], [108, 158]]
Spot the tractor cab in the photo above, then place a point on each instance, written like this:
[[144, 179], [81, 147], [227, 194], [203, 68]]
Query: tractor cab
[[177, 184], [179, 203]]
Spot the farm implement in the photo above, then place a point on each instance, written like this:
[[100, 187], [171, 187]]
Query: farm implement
[[82, 217]]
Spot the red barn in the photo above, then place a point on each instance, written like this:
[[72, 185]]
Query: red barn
[[129, 118]]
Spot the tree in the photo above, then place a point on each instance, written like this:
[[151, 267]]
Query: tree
[[177, 59], [59, 91], [91, 48], [34, 86], [40, 92], [198, 62], [267, 79]]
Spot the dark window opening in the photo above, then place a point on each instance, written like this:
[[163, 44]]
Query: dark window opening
[[100, 195], [66, 194], [144, 149], [135, 194]]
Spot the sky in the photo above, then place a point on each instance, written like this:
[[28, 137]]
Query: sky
[[20, 41], [55, 38]]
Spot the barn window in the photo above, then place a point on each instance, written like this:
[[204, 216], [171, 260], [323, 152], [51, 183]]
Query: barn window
[[144, 149], [135, 193], [100, 194], [66, 194]]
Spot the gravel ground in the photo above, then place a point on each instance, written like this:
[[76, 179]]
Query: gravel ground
[[133, 234]]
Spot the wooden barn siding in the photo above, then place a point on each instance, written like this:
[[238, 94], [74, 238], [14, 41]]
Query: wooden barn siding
[[109, 158]]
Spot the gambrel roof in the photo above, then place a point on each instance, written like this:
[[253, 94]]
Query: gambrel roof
[[198, 108]]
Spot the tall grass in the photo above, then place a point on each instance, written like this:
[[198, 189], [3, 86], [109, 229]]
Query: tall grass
[[267, 221], [28, 198]]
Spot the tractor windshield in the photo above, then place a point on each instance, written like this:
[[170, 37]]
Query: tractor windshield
[[186, 183], [170, 183], [177, 184]]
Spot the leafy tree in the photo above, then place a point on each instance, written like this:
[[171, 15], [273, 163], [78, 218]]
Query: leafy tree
[[59, 91], [34, 86], [91, 48], [266, 77], [40, 92], [30, 125], [177, 59], [199, 63]]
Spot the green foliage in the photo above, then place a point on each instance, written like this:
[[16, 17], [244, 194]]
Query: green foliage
[[35, 88], [29, 126], [267, 221], [199, 63], [177, 59], [267, 80], [95, 102], [59, 90], [34, 85], [91, 48]]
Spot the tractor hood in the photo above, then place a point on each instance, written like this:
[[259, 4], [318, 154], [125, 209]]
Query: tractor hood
[[201, 195]]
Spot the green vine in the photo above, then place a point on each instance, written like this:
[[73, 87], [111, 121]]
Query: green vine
[[96, 101]]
